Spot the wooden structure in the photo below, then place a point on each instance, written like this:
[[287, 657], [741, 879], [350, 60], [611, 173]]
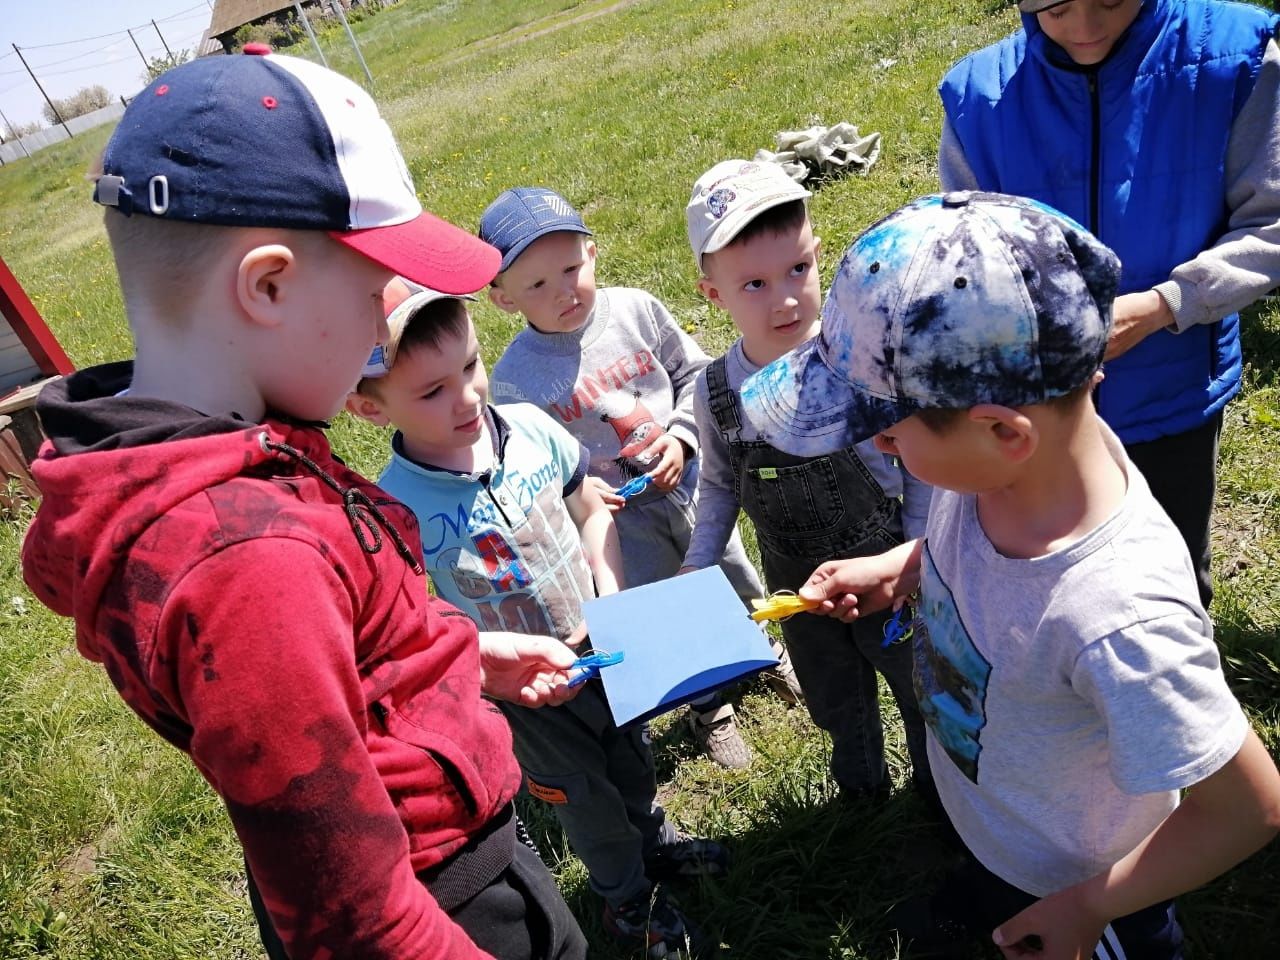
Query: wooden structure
[[30, 356]]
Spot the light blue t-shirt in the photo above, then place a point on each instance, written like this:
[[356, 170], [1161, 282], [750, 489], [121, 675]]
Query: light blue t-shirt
[[500, 544]]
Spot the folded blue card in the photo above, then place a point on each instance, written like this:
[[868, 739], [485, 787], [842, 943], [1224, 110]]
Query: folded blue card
[[682, 638]]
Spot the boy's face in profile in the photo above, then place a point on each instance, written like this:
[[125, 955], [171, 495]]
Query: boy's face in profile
[[769, 285], [332, 297], [552, 283], [435, 395], [1088, 29], [955, 457]]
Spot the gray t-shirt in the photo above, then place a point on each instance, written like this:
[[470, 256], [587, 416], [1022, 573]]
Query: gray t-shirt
[[623, 376], [1070, 696], [717, 493]]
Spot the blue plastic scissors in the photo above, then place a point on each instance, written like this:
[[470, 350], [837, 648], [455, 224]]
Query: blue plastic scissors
[[584, 668], [634, 486]]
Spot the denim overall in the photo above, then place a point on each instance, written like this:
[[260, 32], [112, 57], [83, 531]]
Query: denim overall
[[808, 510]]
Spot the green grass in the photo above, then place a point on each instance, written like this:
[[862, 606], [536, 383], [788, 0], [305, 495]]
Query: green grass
[[111, 846]]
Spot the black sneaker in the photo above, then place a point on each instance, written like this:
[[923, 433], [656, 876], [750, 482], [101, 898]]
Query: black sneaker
[[653, 922], [686, 856]]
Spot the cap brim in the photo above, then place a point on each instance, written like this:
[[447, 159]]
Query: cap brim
[[804, 409], [1039, 6], [429, 251]]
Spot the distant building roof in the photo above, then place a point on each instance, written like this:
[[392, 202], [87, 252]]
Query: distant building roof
[[230, 15], [209, 45]]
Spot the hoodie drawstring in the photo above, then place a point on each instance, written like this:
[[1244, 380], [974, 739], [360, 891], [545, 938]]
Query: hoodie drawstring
[[362, 513]]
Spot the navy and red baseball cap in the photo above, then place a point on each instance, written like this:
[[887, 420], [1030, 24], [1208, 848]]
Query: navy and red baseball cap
[[271, 141]]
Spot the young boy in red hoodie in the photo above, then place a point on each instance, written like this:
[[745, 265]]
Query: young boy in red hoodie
[[259, 605]]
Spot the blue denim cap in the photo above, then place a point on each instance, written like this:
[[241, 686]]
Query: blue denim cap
[[523, 214], [949, 302]]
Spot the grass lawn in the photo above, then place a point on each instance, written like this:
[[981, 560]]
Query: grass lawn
[[111, 846]]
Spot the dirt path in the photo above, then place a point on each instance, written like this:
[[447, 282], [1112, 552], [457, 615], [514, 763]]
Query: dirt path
[[519, 35]]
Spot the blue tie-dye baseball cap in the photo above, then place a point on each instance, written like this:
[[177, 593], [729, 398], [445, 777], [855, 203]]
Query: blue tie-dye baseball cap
[[949, 302]]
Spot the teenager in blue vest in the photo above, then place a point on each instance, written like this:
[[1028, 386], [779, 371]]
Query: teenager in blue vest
[[1153, 123]]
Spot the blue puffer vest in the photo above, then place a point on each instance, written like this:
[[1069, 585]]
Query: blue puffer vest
[[1134, 149]]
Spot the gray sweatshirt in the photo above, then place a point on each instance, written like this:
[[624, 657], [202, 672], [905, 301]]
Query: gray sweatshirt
[[627, 373]]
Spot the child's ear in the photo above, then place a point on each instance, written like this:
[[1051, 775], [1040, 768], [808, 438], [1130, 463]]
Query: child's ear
[[498, 297], [262, 277], [1014, 434], [366, 408], [709, 290], [817, 249], [590, 249]]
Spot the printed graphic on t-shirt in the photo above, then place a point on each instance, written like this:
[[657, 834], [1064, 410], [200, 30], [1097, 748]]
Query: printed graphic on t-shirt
[[951, 674], [522, 573]]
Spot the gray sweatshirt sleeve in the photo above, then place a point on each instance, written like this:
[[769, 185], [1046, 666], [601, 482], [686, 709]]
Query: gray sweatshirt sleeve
[[683, 360], [1245, 262], [954, 172], [717, 493]]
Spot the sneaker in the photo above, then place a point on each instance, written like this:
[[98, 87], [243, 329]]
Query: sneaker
[[654, 922], [716, 733], [686, 856], [782, 678]]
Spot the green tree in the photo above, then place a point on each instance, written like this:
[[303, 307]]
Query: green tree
[[85, 100], [158, 65]]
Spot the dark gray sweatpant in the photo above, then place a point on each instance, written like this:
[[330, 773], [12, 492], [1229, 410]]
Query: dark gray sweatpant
[[600, 781]]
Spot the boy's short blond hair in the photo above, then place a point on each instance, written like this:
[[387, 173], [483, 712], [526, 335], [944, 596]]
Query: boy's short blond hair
[[161, 262]]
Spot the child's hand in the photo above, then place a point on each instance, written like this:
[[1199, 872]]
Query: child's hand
[[1134, 317], [529, 670], [1059, 927], [611, 499], [670, 452], [848, 589]]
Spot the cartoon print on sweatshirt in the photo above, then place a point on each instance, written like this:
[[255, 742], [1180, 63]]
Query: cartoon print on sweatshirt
[[636, 429], [951, 674]]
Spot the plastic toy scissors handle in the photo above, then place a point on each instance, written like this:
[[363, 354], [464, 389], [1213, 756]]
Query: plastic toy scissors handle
[[634, 486], [584, 668], [780, 605]]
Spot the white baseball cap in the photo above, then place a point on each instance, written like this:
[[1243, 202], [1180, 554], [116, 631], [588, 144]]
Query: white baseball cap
[[732, 194]]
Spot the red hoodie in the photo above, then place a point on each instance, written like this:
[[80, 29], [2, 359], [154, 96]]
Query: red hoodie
[[258, 605]]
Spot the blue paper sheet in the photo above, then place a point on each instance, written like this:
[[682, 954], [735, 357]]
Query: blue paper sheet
[[682, 637]]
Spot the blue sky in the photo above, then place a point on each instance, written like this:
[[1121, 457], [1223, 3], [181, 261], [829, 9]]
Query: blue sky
[[78, 43]]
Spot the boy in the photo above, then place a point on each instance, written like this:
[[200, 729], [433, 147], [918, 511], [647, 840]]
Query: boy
[[513, 535], [1154, 123], [253, 600], [613, 366], [754, 246], [1063, 663]]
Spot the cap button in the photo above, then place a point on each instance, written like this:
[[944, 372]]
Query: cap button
[[956, 198], [257, 49]]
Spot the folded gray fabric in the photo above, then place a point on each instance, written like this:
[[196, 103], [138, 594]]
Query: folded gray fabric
[[820, 153]]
